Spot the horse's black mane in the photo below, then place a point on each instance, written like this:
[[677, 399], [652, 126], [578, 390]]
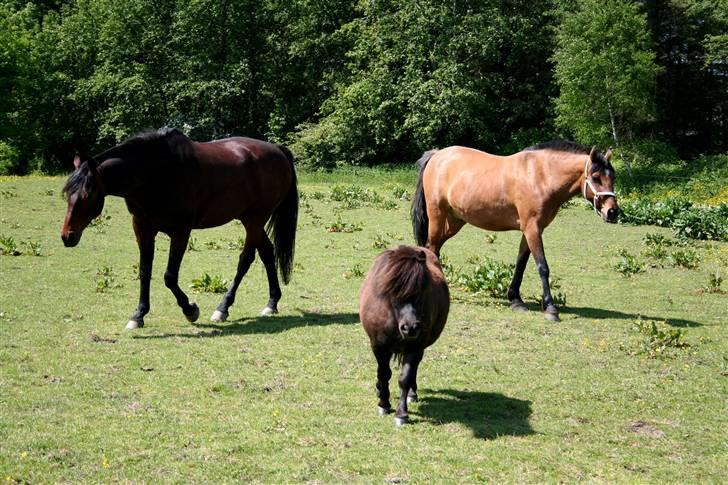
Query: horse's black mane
[[561, 145], [80, 180], [164, 144], [570, 147]]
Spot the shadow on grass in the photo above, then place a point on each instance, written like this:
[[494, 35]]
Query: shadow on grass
[[599, 313], [261, 325], [602, 314], [488, 415]]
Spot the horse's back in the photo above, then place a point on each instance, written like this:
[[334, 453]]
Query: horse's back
[[474, 186], [238, 174]]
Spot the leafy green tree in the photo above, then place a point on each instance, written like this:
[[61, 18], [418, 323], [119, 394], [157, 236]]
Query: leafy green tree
[[692, 49], [605, 71], [430, 73]]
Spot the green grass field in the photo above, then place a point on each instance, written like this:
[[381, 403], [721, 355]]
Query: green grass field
[[290, 398]]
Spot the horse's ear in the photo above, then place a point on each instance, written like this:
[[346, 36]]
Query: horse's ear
[[593, 154], [608, 155], [77, 161]]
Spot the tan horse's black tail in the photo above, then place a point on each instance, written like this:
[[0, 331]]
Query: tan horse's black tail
[[282, 224], [420, 222]]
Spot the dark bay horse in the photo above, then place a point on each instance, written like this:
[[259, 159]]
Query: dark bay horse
[[173, 185], [403, 307], [524, 191]]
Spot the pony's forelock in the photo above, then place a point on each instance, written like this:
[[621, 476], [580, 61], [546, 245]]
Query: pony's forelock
[[404, 275]]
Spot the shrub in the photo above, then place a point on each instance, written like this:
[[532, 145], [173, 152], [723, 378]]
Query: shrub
[[680, 214], [9, 159]]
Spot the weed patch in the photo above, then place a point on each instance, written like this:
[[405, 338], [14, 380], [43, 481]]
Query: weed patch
[[490, 276], [628, 264], [210, 284], [8, 246], [656, 341], [341, 226]]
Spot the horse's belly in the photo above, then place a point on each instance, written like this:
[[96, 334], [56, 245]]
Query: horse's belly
[[493, 218]]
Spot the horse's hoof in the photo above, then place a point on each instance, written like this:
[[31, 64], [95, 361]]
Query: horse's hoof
[[519, 306], [411, 398], [219, 317], [132, 324], [552, 317], [192, 317], [268, 311], [383, 411], [401, 421]]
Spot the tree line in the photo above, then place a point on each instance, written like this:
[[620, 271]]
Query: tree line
[[366, 82]]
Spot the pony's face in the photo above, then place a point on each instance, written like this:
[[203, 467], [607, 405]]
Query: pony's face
[[407, 322], [85, 201], [601, 178]]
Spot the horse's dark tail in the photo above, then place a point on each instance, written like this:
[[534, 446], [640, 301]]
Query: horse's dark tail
[[420, 222], [282, 224]]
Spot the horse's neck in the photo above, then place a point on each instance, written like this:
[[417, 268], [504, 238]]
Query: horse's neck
[[573, 175], [120, 176]]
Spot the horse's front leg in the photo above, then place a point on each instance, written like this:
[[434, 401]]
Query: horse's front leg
[[177, 248], [384, 373], [145, 236], [514, 289], [535, 243], [407, 380]]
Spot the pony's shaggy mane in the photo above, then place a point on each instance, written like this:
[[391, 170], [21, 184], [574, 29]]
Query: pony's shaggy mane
[[403, 274]]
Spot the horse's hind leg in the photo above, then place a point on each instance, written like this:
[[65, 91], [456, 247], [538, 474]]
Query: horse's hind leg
[[384, 373], [247, 256], [514, 289], [267, 255], [407, 379], [177, 248]]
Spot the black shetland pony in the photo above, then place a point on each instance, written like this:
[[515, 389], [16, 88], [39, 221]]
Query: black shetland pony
[[403, 307], [173, 185]]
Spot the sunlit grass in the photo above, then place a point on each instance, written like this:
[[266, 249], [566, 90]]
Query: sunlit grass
[[504, 396]]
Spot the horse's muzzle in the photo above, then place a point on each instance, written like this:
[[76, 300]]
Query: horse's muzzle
[[71, 239], [611, 215]]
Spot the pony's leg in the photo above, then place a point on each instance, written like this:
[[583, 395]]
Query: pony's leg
[[145, 240], [267, 255], [407, 379], [247, 256], [384, 373], [177, 248], [514, 290], [535, 243]]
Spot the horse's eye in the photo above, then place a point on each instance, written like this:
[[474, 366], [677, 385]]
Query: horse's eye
[[595, 178]]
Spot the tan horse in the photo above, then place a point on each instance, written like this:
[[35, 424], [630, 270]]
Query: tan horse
[[524, 192]]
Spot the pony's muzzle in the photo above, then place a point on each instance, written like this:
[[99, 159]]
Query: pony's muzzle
[[409, 331], [71, 239]]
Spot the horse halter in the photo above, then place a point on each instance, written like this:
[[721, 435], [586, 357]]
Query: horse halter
[[597, 194]]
